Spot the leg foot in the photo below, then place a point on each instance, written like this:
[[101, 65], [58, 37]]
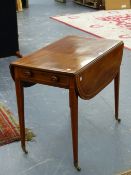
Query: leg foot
[[24, 150], [18, 54], [76, 165], [118, 119]]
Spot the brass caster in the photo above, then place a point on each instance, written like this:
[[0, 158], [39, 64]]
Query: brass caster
[[77, 166], [119, 120], [24, 150]]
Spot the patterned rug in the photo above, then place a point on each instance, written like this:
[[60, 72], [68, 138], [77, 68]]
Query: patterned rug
[[9, 129], [126, 173], [110, 24]]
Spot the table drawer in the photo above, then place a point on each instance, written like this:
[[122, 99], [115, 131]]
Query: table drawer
[[49, 78]]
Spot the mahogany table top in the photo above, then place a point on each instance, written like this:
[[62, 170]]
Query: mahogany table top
[[68, 55]]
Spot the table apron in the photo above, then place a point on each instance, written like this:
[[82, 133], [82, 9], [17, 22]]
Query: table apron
[[41, 77]]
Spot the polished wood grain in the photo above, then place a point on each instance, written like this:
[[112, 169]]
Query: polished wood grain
[[20, 103], [68, 55], [83, 65], [98, 74]]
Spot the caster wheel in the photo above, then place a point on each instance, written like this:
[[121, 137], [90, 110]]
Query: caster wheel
[[77, 167]]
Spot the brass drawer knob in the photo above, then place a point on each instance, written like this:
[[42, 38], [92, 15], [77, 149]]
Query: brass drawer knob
[[54, 78], [28, 74]]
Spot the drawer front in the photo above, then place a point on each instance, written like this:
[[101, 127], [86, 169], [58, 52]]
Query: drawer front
[[49, 78]]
